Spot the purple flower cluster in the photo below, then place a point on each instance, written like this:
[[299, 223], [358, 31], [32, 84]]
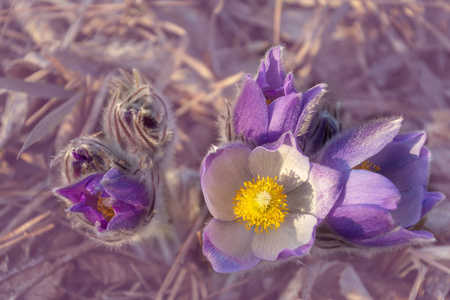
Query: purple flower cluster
[[112, 182], [286, 176]]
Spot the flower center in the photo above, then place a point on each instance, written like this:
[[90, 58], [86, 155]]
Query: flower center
[[368, 165], [105, 208], [269, 100], [260, 203]]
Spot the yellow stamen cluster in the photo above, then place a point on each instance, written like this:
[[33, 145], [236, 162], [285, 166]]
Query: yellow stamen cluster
[[105, 208], [269, 100], [260, 203], [369, 166]]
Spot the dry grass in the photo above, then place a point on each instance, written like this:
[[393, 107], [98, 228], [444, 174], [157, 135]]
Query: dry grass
[[379, 57]]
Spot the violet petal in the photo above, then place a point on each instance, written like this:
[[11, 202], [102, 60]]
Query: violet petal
[[75, 191], [271, 72], [125, 188], [360, 221], [365, 187], [358, 143], [413, 173], [283, 115], [396, 238], [125, 220], [327, 185], [431, 199], [251, 113], [403, 149]]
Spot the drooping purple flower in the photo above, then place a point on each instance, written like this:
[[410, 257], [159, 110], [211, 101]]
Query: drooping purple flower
[[269, 106], [109, 202], [265, 203], [386, 179]]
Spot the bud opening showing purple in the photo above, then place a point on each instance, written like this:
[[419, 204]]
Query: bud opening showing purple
[[110, 201]]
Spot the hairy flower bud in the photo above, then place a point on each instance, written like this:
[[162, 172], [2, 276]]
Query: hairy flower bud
[[324, 127], [87, 155], [139, 119]]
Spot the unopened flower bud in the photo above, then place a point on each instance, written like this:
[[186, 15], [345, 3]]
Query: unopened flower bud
[[139, 119], [87, 155], [325, 126]]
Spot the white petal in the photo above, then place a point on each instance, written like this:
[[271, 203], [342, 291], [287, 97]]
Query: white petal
[[227, 245], [302, 200], [287, 163], [296, 231], [225, 175]]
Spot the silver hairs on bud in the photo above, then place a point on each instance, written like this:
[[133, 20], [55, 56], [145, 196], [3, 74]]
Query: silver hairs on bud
[[139, 119], [88, 155]]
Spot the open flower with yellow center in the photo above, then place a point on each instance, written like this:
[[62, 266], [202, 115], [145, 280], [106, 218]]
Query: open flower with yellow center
[[265, 203]]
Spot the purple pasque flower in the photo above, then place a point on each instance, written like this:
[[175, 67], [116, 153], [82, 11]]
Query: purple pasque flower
[[269, 106], [385, 190], [109, 202], [265, 203]]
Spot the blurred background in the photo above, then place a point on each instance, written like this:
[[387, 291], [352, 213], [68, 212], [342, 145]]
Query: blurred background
[[378, 57]]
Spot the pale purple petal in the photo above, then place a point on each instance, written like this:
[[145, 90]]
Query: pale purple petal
[[251, 113], [227, 246], [327, 185], [296, 231], [227, 172], [398, 237], [358, 143], [365, 187], [287, 163], [283, 115], [125, 220], [360, 221], [125, 188]]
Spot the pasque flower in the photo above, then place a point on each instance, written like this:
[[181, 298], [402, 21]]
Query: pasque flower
[[110, 205], [111, 181], [386, 177], [265, 203], [269, 105]]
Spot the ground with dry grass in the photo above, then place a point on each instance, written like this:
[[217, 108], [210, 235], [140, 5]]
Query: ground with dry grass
[[378, 57]]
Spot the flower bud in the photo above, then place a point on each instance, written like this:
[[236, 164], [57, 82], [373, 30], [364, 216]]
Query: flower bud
[[140, 120], [87, 155]]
